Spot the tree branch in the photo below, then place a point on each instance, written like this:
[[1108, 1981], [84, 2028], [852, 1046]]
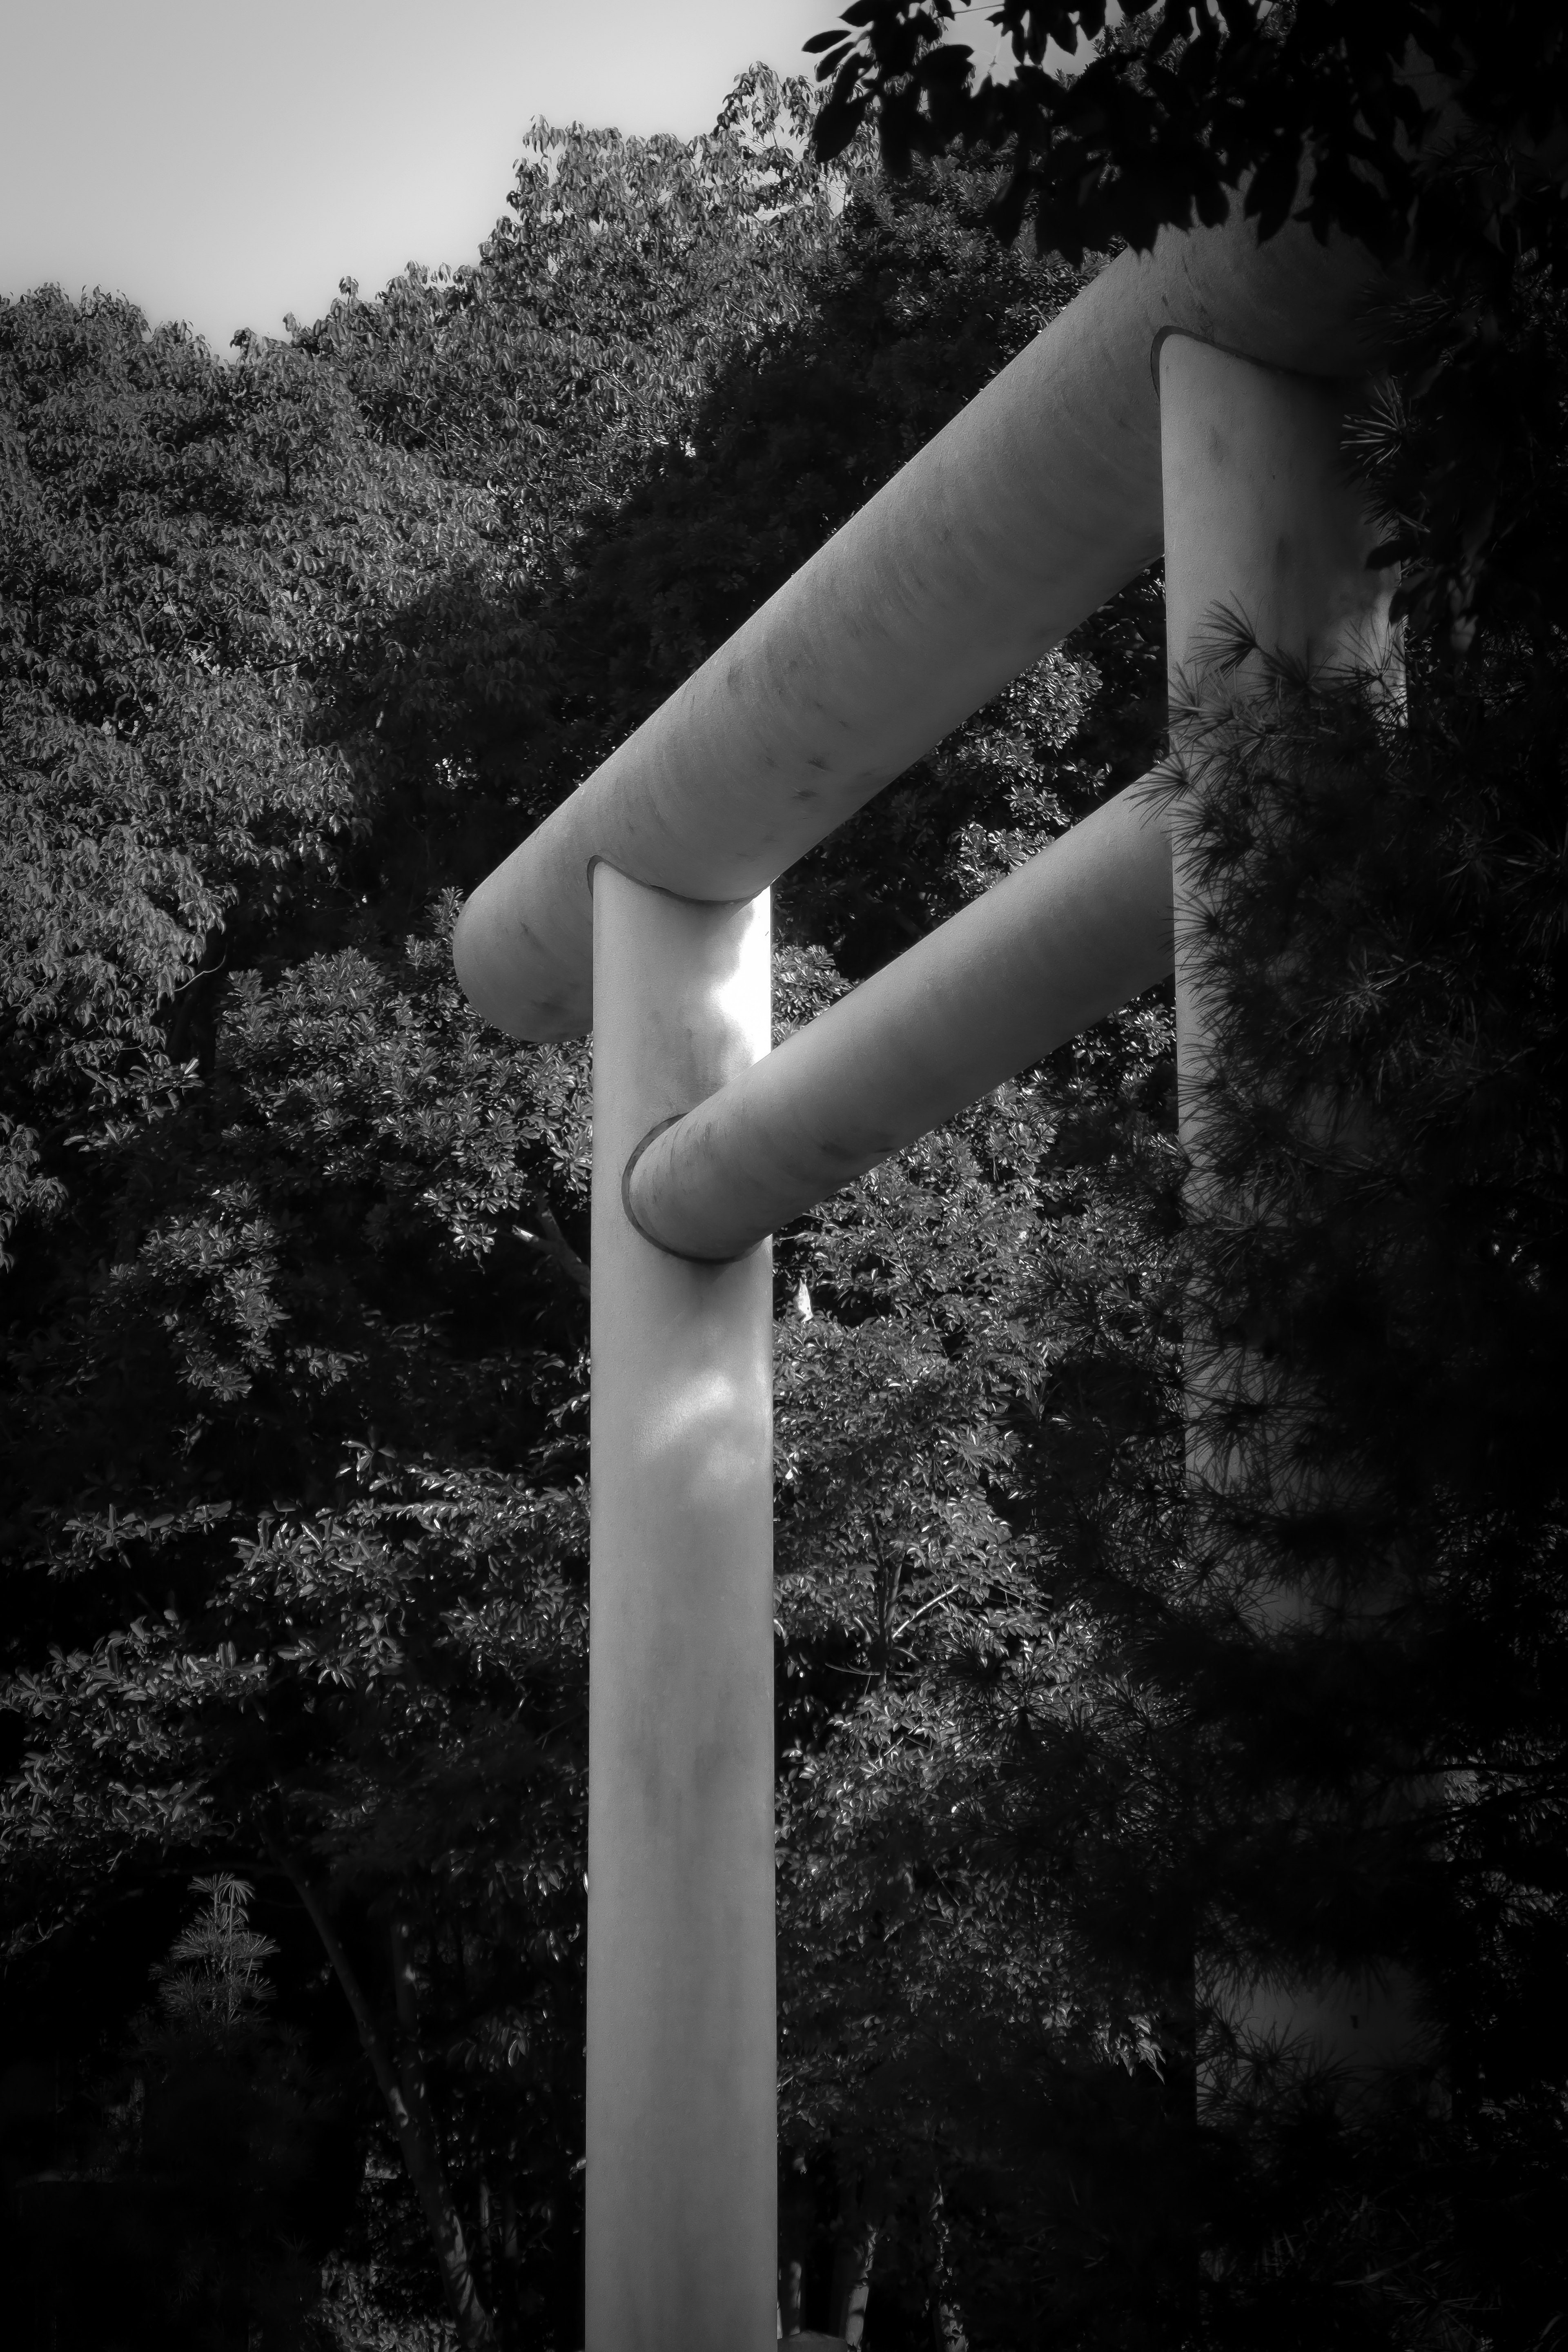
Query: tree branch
[[552, 1241], [403, 2088]]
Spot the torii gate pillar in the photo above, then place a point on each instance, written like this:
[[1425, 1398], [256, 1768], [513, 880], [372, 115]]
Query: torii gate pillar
[[1262, 516], [682, 2180]]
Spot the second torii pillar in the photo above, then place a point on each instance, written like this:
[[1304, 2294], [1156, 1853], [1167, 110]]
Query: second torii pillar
[[1262, 521]]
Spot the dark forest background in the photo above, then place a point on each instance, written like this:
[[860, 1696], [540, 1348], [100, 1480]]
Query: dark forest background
[[294, 644]]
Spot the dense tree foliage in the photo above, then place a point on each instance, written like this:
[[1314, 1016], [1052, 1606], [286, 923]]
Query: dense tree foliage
[[1375, 1657], [1434, 131], [294, 1382]]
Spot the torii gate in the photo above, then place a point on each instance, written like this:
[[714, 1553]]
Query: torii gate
[[1190, 399]]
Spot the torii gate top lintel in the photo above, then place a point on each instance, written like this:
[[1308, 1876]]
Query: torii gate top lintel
[[1034, 505]]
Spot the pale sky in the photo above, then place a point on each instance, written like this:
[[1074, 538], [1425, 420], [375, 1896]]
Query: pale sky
[[224, 160]]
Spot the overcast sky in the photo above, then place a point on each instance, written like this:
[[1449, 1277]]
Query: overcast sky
[[224, 160]]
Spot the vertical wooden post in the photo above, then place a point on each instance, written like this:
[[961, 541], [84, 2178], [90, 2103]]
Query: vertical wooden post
[[1262, 519], [681, 2129]]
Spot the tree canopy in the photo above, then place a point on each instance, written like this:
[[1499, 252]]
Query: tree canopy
[[1433, 132]]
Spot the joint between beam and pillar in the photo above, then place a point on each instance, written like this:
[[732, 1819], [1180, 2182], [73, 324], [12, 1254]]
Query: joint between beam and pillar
[[686, 1257]]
